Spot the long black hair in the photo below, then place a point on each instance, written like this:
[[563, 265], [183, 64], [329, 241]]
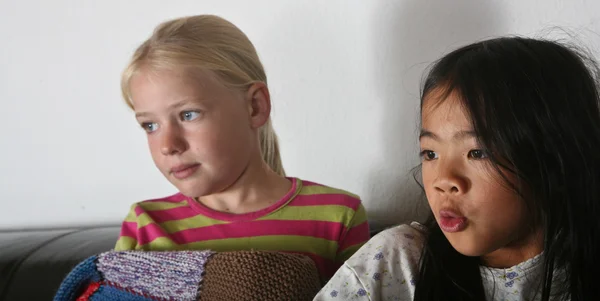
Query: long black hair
[[535, 107]]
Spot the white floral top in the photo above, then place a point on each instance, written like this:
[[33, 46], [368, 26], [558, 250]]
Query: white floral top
[[385, 268]]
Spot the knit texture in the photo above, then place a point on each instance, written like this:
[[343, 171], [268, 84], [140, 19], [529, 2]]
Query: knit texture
[[136, 276], [264, 276], [162, 275], [191, 275], [112, 293], [80, 277]]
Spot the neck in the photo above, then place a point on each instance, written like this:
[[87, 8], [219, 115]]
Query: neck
[[516, 252], [256, 188]]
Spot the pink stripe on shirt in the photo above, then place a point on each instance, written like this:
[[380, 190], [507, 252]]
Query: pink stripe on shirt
[[322, 229], [357, 234], [319, 200]]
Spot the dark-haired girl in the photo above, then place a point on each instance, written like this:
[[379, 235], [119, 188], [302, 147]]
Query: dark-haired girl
[[510, 147]]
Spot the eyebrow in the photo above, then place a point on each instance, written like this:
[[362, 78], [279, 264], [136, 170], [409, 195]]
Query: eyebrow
[[176, 105], [458, 136]]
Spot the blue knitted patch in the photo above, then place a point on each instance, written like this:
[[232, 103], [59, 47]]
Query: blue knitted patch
[[110, 293], [78, 279]]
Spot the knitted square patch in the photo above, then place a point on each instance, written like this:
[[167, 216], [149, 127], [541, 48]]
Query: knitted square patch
[[159, 275]]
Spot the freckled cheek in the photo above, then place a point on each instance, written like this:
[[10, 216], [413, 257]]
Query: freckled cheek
[[155, 152], [208, 143], [153, 146]]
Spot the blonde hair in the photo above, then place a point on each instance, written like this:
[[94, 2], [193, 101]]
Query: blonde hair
[[206, 42]]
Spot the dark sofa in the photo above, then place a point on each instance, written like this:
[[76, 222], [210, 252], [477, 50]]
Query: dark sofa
[[34, 263]]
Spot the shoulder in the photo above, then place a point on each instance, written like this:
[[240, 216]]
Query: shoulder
[[409, 233], [383, 269], [167, 202], [326, 195], [400, 243], [142, 209], [388, 264]]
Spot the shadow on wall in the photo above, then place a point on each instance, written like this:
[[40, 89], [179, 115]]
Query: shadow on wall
[[407, 37]]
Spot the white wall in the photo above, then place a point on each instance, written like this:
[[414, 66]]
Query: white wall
[[344, 77]]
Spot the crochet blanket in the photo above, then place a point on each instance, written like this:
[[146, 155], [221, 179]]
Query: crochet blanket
[[191, 275]]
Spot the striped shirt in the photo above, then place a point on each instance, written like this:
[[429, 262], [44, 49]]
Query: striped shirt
[[324, 223]]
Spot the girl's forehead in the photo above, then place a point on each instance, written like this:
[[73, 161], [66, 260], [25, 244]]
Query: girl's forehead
[[175, 82], [182, 76], [441, 108], [154, 90]]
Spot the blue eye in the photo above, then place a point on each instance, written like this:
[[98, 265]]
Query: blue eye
[[189, 115], [428, 155], [150, 127], [477, 154]]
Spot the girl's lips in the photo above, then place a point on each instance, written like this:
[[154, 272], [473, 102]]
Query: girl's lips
[[183, 171], [451, 221]]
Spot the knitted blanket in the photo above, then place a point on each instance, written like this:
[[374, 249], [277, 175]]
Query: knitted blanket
[[191, 275]]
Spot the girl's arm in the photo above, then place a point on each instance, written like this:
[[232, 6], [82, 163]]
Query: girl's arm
[[128, 235], [343, 286], [385, 268]]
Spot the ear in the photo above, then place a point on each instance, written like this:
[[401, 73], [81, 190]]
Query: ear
[[259, 104]]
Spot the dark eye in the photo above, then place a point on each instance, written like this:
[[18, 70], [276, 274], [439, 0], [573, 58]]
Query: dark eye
[[428, 155], [189, 115], [477, 154]]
